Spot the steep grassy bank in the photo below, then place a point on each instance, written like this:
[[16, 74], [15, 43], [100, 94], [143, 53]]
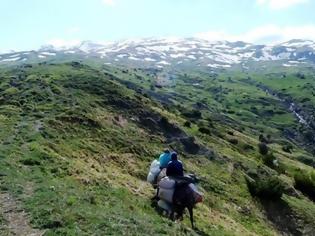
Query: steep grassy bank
[[76, 143]]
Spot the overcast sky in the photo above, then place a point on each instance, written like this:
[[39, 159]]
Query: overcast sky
[[28, 24]]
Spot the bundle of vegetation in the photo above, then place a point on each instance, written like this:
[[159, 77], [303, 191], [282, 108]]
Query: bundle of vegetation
[[205, 130], [272, 162], [230, 133], [300, 75], [210, 123], [264, 186], [262, 139], [192, 114], [247, 147], [263, 148], [187, 124], [233, 141], [287, 148], [305, 182], [309, 136], [310, 161]]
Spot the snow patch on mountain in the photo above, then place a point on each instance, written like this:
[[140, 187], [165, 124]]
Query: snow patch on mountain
[[122, 55], [14, 55], [149, 59], [164, 63], [160, 52], [192, 57], [219, 66], [288, 65], [70, 52], [134, 58], [48, 53], [11, 59]]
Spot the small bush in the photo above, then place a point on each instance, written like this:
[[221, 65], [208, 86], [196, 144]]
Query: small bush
[[265, 187], [248, 147], [307, 160], [230, 133], [262, 139], [263, 148], [305, 182], [231, 112], [233, 141], [30, 162], [204, 130], [187, 124], [269, 160], [287, 148], [272, 162], [192, 114], [309, 136]]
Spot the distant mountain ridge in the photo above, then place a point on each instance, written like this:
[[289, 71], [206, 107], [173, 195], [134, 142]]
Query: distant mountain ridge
[[166, 52]]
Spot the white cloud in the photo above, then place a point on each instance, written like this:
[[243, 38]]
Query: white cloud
[[264, 34], [280, 4], [109, 2], [61, 43]]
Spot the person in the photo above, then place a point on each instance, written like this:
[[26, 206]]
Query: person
[[164, 159], [175, 167]]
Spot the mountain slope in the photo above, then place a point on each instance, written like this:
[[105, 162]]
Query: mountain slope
[[77, 140]]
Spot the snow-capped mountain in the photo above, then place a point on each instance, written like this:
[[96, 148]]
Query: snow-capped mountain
[[161, 53]]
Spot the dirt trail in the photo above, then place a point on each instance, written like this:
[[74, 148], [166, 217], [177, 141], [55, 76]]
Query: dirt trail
[[17, 221]]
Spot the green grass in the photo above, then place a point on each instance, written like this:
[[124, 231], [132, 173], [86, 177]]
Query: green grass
[[75, 153]]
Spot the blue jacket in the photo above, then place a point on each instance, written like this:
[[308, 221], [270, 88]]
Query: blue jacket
[[175, 168], [164, 159]]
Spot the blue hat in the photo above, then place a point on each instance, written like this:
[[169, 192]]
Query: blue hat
[[174, 156]]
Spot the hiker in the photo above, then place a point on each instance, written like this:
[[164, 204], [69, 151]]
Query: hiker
[[164, 159], [175, 167]]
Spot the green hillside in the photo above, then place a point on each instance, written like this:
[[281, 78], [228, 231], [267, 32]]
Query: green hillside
[[77, 139]]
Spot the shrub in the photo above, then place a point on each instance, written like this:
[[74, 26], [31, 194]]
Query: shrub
[[265, 187], [307, 160], [248, 147], [269, 160], [233, 141], [287, 148], [231, 112], [300, 75], [262, 139], [204, 130], [272, 162], [305, 182], [195, 114], [309, 136], [263, 148], [30, 162], [187, 124]]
